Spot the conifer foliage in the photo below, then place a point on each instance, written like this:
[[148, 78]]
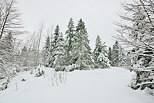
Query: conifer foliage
[[81, 51], [73, 52], [117, 55], [69, 41], [57, 48], [100, 54], [109, 54]]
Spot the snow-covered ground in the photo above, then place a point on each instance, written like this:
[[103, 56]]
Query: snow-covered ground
[[94, 86]]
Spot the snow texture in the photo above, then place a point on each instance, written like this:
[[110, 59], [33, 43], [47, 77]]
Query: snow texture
[[89, 86]]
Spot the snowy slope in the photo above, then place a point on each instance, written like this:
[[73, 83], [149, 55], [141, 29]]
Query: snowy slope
[[95, 86]]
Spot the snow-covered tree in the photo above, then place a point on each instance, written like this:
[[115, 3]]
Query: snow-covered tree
[[100, 54], [103, 61], [32, 57], [46, 53], [81, 51], [110, 54], [69, 40], [117, 55], [24, 56], [9, 18], [6, 55], [53, 45], [57, 51], [59, 54], [139, 35], [98, 48]]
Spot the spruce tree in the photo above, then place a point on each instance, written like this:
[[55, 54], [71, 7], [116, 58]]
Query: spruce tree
[[69, 41], [57, 51], [110, 54], [46, 56], [81, 51], [117, 55], [53, 46], [59, 54], [100, 54], [97, 50]]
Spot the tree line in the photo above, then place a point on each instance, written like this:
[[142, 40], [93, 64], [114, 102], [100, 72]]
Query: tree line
[[71, 50]]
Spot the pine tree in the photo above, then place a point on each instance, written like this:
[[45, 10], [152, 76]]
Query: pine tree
[[53, 46], [100, 54], [46, 55], [117, 55], [110, 54], [103, 61], [59, 54], [69, 41], [98, 48], [103, 57], [81, 51]]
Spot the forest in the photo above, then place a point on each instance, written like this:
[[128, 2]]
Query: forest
[[70, 51]]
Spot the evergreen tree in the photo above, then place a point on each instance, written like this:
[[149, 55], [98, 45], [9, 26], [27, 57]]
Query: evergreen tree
[[59, 53], [53, 46], [46, 52], [110, 54], [100, 54], [117, 55], [103, 61], [81, 51], [57, 50], [69, 41], [98, 49]]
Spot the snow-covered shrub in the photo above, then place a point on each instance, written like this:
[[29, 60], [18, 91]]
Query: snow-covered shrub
[[71, 68], [26, 69], [60, 68], [4, 84], [39, 71]]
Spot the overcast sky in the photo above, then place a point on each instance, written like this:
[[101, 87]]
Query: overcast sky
[[98, 15]]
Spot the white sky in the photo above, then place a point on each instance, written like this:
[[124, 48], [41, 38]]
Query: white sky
[[98, 15]]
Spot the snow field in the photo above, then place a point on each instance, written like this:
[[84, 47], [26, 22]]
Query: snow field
[[92, 86]]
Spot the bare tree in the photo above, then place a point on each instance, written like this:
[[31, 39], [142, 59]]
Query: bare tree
[[137, 31], [9, 17], [138, 23], [39, 34]]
